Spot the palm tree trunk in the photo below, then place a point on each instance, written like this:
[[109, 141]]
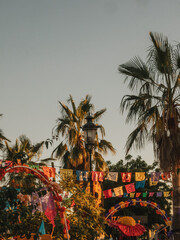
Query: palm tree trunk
[[176, 202]]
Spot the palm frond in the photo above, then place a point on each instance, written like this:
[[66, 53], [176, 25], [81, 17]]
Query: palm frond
[[97, 115], [106, 146], [137, 138], [136, 105], [85, 105], [101, 164], [37, 147], [137, 70], [160, 54], [102, 130], [2, 137], [176, 57], [72, 104], [65, 110], [62, 126], [66, 160], [59, 150], [48, 159], [72, 136]]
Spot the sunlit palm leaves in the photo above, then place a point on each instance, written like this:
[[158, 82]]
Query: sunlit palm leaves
[[156, 106], [23, 146], [71, 149]]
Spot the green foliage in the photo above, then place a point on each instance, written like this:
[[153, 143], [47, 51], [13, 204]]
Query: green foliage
[[86, 218], [15, 218]]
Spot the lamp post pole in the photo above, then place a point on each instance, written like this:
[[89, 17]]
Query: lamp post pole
[[90, 131], [90, 162]]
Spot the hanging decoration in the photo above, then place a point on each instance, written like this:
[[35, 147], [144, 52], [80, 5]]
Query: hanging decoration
[[128, 226]]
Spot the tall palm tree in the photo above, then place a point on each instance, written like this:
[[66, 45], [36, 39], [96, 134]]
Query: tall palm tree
[[71, 150], [155, 107]]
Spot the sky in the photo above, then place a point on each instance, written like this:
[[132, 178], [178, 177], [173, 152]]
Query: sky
[[50, 49]]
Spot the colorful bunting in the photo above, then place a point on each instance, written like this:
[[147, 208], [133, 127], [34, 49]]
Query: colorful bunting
[[131, 195], [159, 194], [112, 176], [130, 188], [118, 191], [140, 184], [139, 176], [166, 194], [107, 193], [97, 176], [49, 171], [82, 175], [138, 194], [66, 173], [126, 177], [155, 176], [151, 194], [125, 195], [152, 183], [144, 194]]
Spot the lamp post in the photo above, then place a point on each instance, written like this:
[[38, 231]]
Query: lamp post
[[90, 130]]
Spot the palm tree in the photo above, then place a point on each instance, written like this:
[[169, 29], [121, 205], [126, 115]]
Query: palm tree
[[23, 149], [71, 149], [155, 107]]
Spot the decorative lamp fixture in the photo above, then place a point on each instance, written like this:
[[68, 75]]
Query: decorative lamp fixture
[[90, 130]]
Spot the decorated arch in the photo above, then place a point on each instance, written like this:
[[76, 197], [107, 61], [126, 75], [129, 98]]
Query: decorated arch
[[127, 225], [52, 186], [142, 203]]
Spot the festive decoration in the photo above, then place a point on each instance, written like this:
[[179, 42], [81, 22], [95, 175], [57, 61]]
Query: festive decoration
[[128, 226], [51, 186], [142, 203], [42, 230], [107, 193], [97, 176], [130, 188], [112, 176], [126, 177], [82, 175], [139, 176], [140, 184], [154, 177], [118, 191], [127, 221]]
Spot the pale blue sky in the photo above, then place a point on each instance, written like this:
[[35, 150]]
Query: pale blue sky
[[52, 48]]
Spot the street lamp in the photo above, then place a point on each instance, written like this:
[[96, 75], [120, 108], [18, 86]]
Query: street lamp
[[90, 130]]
